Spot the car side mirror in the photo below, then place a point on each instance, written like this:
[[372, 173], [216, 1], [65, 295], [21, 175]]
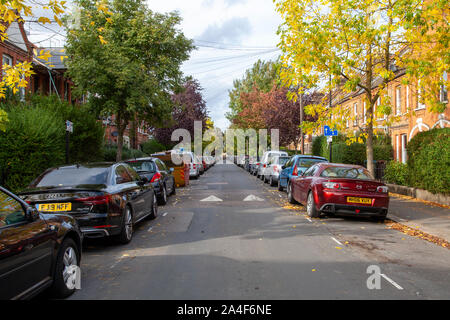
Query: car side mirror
[[283, 167], [31, 214]]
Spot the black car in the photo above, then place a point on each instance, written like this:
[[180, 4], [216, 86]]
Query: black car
[[37, 251], [106, 199], [158, 174]]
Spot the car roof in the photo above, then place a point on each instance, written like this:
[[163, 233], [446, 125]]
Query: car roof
[[141, 159], [309, 157], [88, 165], [339, 165]]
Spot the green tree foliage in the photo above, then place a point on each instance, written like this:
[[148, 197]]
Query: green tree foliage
[[110, 152], [127, 58], [263, 75]]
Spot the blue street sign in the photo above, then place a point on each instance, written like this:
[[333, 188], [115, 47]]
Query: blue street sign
[[328, 132]]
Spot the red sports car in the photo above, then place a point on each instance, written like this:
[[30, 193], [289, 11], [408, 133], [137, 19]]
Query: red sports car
[[340, 189]]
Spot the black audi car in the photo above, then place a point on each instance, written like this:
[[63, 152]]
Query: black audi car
[[37, 251], [106, 199], [158, 174]]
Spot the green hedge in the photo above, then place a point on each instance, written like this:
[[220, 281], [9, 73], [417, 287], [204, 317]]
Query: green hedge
[[354, 153], [429, 161], [152, 146], [110, 152], [396, 173], [34, 139]]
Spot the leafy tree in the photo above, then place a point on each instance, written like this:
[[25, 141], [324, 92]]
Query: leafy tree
[[189, 107], [127, 59], [357, 43], [263, 75], [16, 77]]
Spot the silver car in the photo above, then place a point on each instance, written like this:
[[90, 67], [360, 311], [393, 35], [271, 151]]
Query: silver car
[[268, 155], [274, 168]]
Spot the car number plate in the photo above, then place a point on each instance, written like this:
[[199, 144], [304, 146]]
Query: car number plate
[[359, 200], [55, 207]]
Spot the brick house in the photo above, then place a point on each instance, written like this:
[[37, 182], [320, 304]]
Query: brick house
[[413, 116], [130, 140]]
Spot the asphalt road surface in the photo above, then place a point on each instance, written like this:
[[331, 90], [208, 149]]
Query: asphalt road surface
[[236, 249]]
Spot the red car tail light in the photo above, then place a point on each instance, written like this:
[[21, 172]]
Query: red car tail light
[[157, 176], [94, 200], [295, 172], [383, 189], [331, 185]]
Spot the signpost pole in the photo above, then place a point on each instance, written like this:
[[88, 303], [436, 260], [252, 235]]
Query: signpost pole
[[69, 130]]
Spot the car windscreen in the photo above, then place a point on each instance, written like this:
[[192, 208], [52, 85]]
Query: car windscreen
[[142, 166], [71, 177], [347, 173], [308, 163], [283, 160]]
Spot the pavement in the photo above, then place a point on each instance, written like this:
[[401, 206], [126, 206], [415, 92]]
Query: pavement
[[226, 248], [429, 218]]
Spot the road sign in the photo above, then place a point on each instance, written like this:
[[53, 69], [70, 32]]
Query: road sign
[[328, 132], [69, 126]]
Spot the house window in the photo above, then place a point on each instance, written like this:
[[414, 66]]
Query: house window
[[444, 91], [7, 60], [377, 105], [22, 90], [355, 111], [404, 153], [397, 140], [398, 100], [420, 104], [407, 98]]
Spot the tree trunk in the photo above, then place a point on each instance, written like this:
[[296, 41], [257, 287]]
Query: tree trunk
[[120, 130], [369, 142]]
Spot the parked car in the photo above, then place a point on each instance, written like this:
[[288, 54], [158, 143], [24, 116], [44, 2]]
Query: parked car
[[157, 173], [191, 159], [273, 170], [37, 251], [254, 164], [340, 189], [106, 199], [200, 165], [295, 167], [267, 156]]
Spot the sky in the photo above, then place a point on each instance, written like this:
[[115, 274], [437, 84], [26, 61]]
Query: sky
[[230, 36]]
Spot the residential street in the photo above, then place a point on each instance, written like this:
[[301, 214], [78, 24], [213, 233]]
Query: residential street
[[235, 249]]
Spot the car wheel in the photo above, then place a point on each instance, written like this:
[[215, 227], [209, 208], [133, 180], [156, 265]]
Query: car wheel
[[280, 188], [67, 263], [174, 191], [126, 233], [271, 181], [163, 197], [154, 213], [290, 195], [311, 206]]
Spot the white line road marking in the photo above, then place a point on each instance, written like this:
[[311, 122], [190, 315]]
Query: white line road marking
[[164, 214], [309, 219], [337, 241], [391, 281], [149, 229]]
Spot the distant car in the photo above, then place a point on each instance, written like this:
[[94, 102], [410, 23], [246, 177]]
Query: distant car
[[192, 160], [268, 155], [106, 199], [37, 251], [201, 164], [295, 167], [254, 164], [157, 173], [340, 189], [273, 170]]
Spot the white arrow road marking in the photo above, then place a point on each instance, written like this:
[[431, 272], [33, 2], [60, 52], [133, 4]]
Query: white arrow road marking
[[253, 198], [212, 199]]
